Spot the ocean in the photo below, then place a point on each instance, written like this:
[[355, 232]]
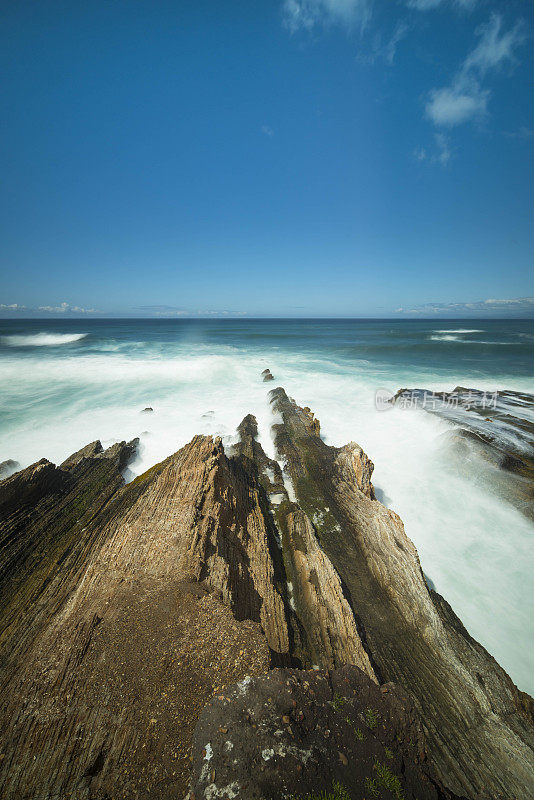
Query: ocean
[[64, 383]]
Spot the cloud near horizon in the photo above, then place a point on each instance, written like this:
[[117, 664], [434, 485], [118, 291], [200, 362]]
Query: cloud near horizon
[[174, 311], [517, 306], [60, 308]]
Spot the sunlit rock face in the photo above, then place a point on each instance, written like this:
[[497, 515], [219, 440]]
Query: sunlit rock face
[[126, 607]]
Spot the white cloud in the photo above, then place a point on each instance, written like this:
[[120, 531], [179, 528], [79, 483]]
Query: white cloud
[[452, 105], [427, 5], [60, 308], [519, 306], [390, 48], [444, 150], [307, 14], [268, 131], [66, 308], [174, 311], [420, 154], [495, 46], [466, 99], [441, 154]]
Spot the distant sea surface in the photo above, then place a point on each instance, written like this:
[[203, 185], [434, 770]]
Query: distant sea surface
[[64, 383]]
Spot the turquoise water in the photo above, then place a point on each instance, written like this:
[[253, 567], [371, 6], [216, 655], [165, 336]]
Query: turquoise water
[[64, 383]]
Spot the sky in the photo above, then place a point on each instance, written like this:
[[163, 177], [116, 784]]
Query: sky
[[291, 158]]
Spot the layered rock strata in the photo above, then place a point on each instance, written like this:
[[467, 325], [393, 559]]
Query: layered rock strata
[[479, 724], [125, 608]]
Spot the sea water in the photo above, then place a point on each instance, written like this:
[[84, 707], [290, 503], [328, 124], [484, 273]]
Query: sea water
[[64, 383]]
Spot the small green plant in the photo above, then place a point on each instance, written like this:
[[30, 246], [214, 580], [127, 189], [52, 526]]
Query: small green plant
[[388, 753], [338, 702], [338, 792], [372, 786], [359, 734], [371, 718], [385, 779]]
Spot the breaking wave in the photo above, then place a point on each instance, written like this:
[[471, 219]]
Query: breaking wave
[[461, 330], [56, 400], [42, 339]]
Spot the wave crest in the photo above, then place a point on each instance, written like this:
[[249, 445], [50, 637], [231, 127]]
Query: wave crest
[[42, 339]]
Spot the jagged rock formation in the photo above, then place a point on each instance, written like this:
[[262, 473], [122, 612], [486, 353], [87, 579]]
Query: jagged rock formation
[[294, 733], [322, 627], [493, 433], [125, 608], [112, 639], [479, 725]]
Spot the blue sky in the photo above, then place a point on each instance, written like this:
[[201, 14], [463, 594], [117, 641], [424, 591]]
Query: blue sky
[[293, 158]]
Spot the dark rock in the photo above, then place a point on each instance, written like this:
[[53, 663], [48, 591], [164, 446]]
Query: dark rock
[[411, 636], [8, 467], [267, 375], [293, 734], [491, 434], [147, 410]]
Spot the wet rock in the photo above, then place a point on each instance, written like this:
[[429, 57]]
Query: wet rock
[[121, 604], [492, 433], [147, 410], [267, 376], [375, 741], [470, 706]]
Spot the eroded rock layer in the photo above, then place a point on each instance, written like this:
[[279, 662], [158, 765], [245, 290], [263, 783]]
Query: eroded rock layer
[[125, 608], [479, 725]]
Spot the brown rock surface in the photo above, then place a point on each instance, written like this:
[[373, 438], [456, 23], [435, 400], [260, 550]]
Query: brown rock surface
[[124, 608], [112, 638], [479, 727], [296, 734]]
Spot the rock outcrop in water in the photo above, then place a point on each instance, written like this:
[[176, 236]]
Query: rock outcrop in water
[[126, 608], [493, 432]]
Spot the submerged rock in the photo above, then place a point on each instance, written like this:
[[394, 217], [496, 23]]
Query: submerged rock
[[147, 410], [267, 376]]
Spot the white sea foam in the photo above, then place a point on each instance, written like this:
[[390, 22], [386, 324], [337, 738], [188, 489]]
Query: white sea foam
[[446, 338], [475, 547], [42, 339], [461, 330]]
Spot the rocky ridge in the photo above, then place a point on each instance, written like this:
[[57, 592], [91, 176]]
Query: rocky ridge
[[125, 608]]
